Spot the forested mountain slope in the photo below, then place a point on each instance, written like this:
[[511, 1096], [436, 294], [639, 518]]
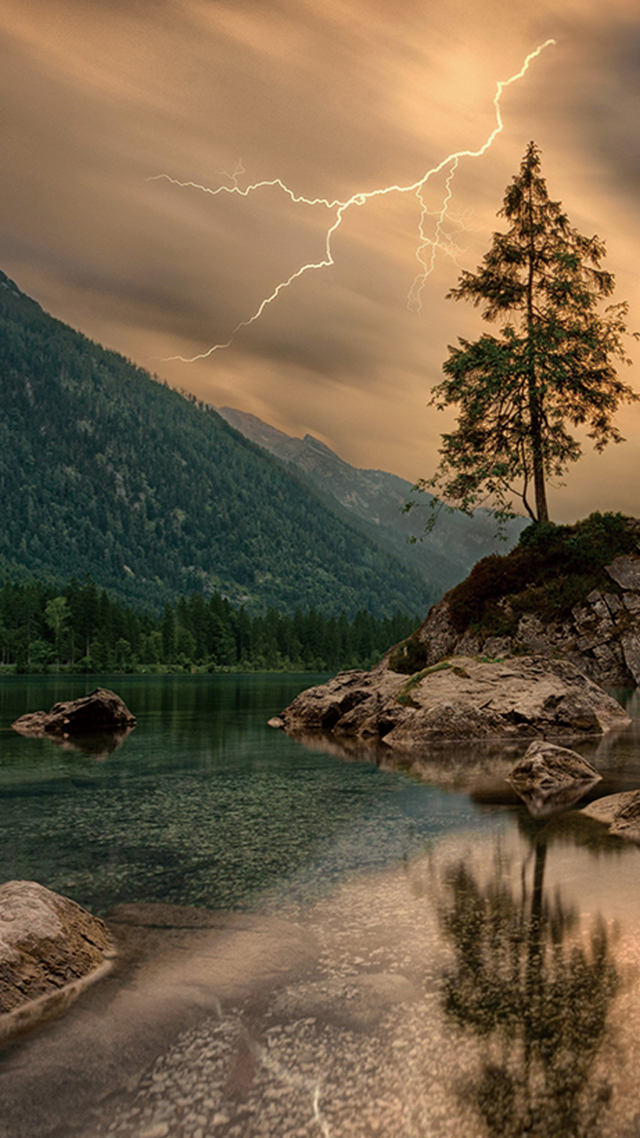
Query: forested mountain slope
[[104, 470], [373, 500]]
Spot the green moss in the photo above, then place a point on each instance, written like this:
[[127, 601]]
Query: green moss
[[404, 695]]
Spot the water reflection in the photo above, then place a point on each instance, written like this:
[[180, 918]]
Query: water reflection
[[542, 802], [538, 996], [203, 804], [98, 745]]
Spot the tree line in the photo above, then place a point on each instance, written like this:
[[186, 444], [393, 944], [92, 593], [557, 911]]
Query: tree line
[[81, 628]]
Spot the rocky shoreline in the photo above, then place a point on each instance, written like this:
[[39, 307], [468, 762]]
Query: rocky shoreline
[[458, 698], [601, 636], [452, 680]]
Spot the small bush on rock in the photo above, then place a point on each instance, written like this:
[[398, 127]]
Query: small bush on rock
[[550, 570]]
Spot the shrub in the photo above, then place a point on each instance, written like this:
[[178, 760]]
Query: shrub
[[550, 570]]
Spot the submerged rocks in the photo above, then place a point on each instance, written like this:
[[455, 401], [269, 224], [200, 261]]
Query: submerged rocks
[[47, 943], [549, 778], [459, 698], [102, 710], [355, 1002]]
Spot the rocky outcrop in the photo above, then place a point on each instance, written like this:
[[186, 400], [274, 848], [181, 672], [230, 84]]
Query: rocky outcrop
[[549, 778], [323, 708], [102, 710], [49, 946], [601, 637], [620, 812], [626, 572], [460, 698]]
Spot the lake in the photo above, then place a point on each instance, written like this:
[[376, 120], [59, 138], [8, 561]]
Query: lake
[[399, 948], [203, 804]]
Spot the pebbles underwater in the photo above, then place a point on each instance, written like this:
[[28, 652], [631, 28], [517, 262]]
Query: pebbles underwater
[[381, 1034]]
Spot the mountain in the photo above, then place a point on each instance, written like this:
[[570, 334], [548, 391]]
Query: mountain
[[104, 470], [372, 500]]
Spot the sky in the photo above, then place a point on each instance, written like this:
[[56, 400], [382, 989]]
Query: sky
[[336, 99]]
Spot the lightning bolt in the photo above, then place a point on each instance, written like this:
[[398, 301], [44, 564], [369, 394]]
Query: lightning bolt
[[427, 247], [239, 169], [414, 299]]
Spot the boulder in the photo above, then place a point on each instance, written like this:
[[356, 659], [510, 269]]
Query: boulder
[[101, 710], [549, 778], [546, 766], [320, 708], [460, 698], [48, 944], [621, 812], [625, 571]]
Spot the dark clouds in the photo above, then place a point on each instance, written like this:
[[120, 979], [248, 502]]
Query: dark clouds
[[335, 98], [609, 105]]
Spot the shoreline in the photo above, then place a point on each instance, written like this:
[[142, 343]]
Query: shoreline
[[174, 968]]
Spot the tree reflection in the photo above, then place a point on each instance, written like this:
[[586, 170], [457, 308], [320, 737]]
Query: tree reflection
[[537, 995]]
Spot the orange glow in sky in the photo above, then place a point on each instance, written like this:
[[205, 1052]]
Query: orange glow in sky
[[334, 100]]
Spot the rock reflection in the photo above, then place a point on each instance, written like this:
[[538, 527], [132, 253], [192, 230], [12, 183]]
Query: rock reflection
[[448, 764], [525, 982], [98, 745], [544, 803]]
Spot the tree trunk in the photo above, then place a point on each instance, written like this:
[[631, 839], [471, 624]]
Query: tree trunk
[[535, 416], [542, 512]]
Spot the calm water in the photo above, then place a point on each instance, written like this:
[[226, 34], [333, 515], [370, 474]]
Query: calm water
[[203, 804], [520, 938]]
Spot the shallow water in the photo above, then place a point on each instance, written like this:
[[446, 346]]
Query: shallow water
[[203, 804], [440, 962]]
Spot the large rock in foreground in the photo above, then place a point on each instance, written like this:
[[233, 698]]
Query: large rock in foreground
[[48, 944], [460, 698], [101, 710]]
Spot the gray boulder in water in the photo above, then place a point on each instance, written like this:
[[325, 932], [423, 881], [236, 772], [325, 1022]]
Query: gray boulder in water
[[549, 778], [101, 710]]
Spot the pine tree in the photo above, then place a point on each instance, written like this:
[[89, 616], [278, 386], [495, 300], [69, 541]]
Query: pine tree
[[549, 368]]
